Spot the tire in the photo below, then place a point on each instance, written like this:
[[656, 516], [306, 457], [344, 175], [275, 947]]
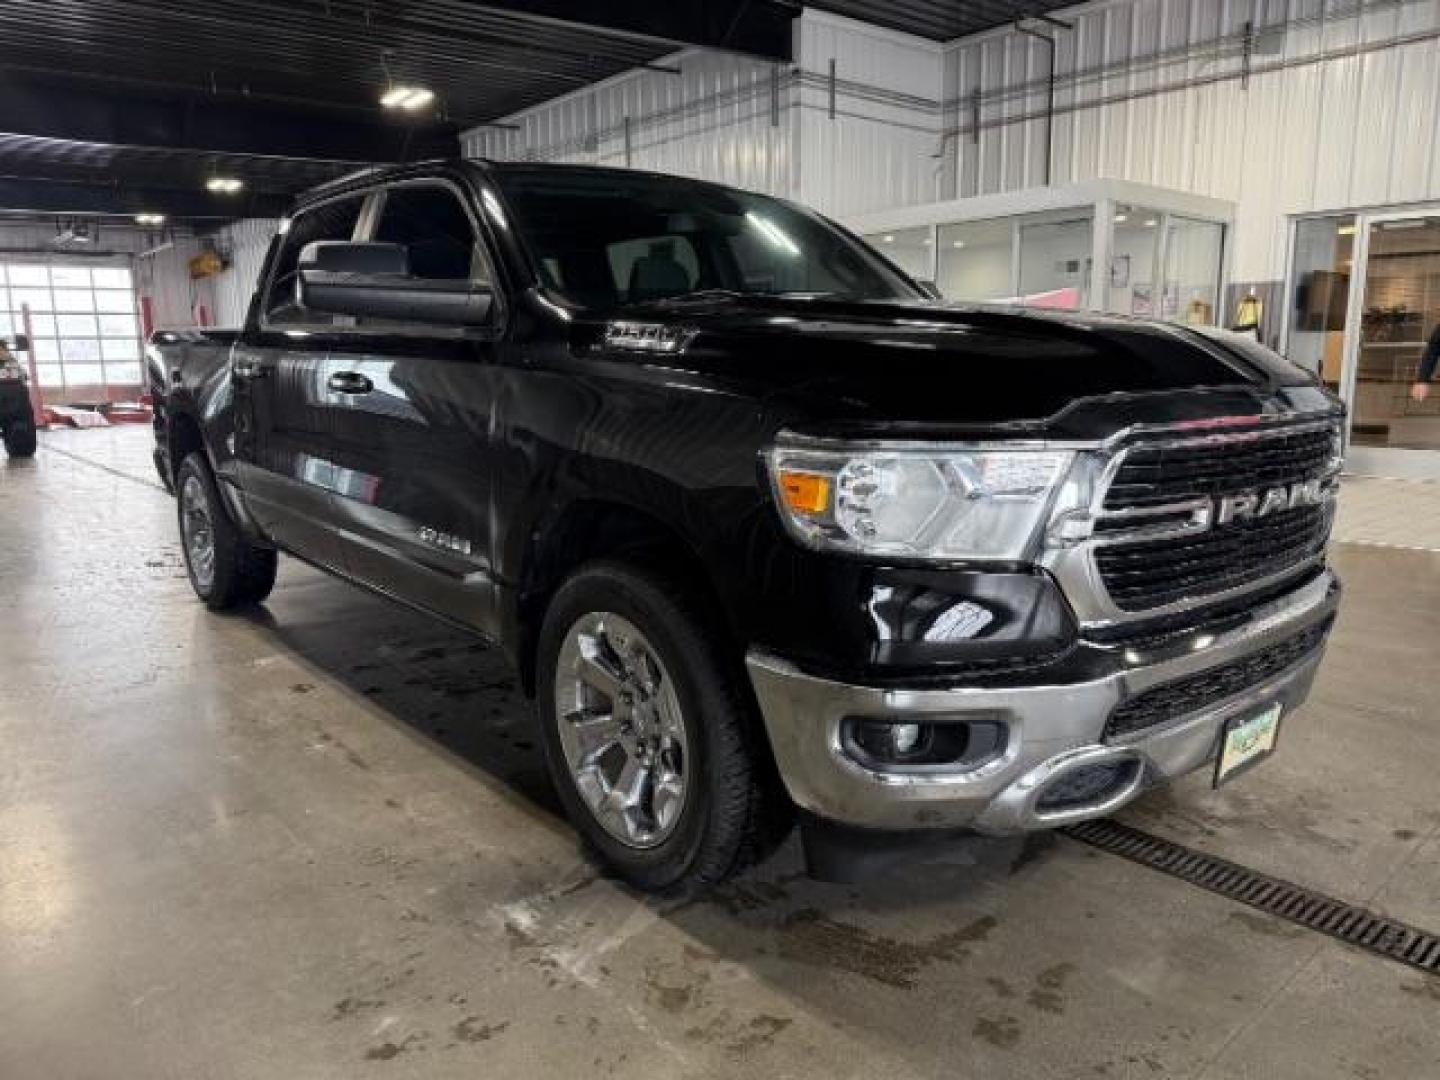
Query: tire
[[236, 572], [732, 811], [20, 438]]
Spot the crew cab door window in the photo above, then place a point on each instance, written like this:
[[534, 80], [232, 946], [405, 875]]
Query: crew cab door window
[[432, 223], [330, 221]]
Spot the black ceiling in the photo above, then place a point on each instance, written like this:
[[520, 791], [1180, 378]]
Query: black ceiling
[[941, 20], [121, 105]]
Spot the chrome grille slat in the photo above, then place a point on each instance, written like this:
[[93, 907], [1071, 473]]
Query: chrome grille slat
[[1209, 557]]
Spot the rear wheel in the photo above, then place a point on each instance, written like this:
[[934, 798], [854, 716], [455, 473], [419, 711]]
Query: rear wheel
[[20, 438], [225, 569], [652, 743]]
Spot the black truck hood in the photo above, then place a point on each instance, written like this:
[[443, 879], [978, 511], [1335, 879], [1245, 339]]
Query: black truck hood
[[920, 366]]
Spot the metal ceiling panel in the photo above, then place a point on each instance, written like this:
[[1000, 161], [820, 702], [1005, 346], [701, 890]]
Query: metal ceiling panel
[[941, 20]]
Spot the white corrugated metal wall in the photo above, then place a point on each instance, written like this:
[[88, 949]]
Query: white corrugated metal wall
[[1340, 107], [244, 245], [759, 125], [1323, 104]]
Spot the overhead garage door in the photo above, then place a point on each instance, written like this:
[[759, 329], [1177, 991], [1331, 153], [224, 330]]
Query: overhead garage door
[[83, 317]]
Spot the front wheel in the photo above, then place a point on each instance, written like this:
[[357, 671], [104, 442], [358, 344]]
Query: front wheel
[[652, 743], [225, 569], [20, 438]]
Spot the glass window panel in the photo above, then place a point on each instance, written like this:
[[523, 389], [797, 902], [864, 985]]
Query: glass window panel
[[1192, 269], [77, 325], [1400, 315], [1055, 263], [29, 274], [910, 249], [111, 277], [52, 376], [7, 325], [120, 349], [47, 350], [79, 350], [975, 260], [114, 300], [1322, 263], [125, 374], [38, 299], [1130, 287], [74, 300], [42, 323], [84, 375], [118, 326], [70, 277]]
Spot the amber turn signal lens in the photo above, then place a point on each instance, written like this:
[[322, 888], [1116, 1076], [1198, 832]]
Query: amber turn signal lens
[[805, 493]]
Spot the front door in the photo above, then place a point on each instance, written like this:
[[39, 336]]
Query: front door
[[413, 417], [1395, 431]]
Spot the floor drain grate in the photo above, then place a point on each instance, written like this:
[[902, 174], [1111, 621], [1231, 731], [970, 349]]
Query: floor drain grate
[[1354, 925]]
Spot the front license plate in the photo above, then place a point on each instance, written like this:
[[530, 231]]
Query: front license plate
[[1247, 740]]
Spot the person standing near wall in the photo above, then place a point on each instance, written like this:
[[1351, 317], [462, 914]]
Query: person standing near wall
[[1428, 362]]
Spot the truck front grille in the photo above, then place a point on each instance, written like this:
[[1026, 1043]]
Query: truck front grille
[[1153, 474], [1172, 700], [1156, 573], [1183, 483]]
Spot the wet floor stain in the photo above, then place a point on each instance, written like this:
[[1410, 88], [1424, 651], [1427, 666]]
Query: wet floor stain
[[472, 1030], [1002, 1032], [1046, 995], [810, 937]]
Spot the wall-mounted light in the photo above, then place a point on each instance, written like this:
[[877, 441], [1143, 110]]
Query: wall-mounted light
[[1149, 223], [887, 239], [957, 243], [1120, 219], [409, 98], [224, 185], [149, 219]]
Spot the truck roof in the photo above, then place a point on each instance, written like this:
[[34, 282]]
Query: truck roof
[[381, 173]]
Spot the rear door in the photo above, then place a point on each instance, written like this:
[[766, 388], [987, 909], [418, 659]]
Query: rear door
[[287, 419], [414, 437]]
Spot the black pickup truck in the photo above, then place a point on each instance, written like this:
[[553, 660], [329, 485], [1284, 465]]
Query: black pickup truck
[[762, 526]]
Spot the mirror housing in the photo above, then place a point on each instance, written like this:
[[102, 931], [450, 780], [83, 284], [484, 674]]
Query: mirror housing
[[373, 281], [22, 343]]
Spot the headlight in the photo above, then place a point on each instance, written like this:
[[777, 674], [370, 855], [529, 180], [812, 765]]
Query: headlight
[[924, 503]]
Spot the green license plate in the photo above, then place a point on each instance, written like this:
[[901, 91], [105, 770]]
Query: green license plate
[[1247, 740]]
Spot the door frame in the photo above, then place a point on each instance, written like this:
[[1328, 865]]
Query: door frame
[[1393, 462]]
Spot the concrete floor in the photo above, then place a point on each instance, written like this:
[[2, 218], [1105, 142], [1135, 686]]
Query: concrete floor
[[316, 841]]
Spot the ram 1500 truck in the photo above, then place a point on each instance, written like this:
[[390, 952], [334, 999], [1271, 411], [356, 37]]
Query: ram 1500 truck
[[762, 526]]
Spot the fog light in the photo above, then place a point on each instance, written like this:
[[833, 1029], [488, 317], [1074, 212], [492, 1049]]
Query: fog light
[[905, 737], [891, 746]]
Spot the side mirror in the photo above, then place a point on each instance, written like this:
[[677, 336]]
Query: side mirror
[[22, 343], [373, 281]]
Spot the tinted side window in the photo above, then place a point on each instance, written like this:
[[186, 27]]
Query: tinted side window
[[332, 221], [432, 223]]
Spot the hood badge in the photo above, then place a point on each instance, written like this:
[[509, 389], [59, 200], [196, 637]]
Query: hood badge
[[647, 337]]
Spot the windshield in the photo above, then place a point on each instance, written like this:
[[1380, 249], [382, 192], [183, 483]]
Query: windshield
[[607, 240]]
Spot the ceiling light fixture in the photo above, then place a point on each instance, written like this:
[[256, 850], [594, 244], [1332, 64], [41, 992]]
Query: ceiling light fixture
[[957, 243], [224, 185], [408, 98], [888, 238], [1121, 218], [149, 219]]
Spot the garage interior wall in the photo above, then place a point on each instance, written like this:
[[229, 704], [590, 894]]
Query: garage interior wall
[[1281, 106]]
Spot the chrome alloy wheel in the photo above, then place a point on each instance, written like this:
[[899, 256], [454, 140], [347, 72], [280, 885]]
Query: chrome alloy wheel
[[198, 532], [621, 729]]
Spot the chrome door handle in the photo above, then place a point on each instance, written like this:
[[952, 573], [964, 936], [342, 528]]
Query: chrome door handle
[[349, 382]]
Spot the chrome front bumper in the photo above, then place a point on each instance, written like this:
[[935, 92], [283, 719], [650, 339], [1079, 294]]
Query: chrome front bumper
[[1051, 730]]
